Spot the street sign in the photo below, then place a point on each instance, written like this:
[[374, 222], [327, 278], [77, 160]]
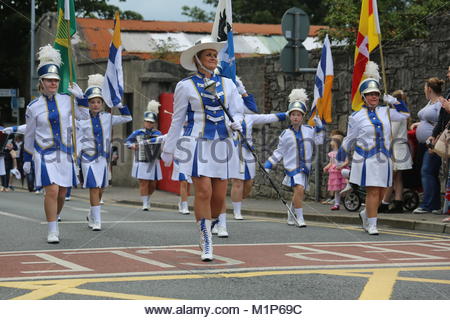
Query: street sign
[[295, 28], [8, 92]]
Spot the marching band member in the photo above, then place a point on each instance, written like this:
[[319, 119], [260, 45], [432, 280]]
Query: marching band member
[[146, 170], [295, 147], [206, 141], [245, 164], [95, 138], [185, 182], [48, 140], [369, 129]]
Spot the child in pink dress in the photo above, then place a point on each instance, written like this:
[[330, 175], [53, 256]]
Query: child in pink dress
[[336, 182]]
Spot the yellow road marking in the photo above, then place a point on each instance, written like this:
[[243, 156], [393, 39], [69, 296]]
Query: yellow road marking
[[379, 286]]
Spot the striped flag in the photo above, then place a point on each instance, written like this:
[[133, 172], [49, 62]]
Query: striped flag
[[223, 31], [322, 104], [367, 40], [66, 15], [112, 90]]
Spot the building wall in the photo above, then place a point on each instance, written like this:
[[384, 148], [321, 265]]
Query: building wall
[[408, 65]]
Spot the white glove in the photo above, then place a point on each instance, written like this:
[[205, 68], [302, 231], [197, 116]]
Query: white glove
[[8, 130], [75, 90], [390, 99], [236, 126], [27, 167], [267, 170], [240, 86], [119, 105], [318, 123], [16, 173], [167, 158]]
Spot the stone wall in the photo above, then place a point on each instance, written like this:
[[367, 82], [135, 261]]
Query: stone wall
[[408, 65]]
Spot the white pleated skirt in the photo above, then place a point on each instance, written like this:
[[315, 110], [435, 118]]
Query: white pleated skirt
[[402, 157], [243, 164], [55, 168], [95, 173], [2, 166], [205, 158], [146, 170], [375, 171], [179, 176], [298, 179]]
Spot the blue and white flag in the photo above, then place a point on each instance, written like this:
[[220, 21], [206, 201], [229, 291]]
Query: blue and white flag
[[112, 89], [223, 31]]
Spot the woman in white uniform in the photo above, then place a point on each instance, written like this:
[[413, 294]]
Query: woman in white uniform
[[369, 129], [95, 138], [206, 143], [48, 140], [147, 171]]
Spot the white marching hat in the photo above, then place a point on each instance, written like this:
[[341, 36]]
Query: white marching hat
[[152, 111], [297, 101], [49, 62], [95, 83], [187, 56]]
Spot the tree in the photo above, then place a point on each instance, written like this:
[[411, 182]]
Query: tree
[[15, 34], [262, 11], [399, 19]]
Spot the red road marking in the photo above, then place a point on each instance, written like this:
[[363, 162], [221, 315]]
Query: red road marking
[[105, 261]]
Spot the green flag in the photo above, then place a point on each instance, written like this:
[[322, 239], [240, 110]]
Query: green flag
[[66, 14]]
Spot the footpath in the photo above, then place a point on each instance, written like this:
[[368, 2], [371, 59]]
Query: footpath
[[313, 211]]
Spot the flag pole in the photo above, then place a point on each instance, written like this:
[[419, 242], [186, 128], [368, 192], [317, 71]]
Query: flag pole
[[383, 70], [72, 99]]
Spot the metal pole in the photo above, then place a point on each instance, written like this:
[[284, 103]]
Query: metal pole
[[32, 26], [74, 128]]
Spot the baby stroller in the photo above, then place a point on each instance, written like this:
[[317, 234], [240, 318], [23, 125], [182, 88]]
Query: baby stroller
[[355, 197]]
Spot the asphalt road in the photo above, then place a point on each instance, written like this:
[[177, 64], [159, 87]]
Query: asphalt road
[[155, 255]]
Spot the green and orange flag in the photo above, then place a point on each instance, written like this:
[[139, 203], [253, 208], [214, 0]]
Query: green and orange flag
[[66, 18]]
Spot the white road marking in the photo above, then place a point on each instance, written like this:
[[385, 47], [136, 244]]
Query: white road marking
[[12, 215]]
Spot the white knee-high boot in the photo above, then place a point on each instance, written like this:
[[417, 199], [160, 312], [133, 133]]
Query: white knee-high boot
[[205, 239], [96, 215]]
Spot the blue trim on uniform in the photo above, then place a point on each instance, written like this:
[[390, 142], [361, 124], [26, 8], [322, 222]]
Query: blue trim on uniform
[[301, 153], [190, 121], [104, 178], [292, 182], [211, 127], [268, 164], [74, 175], [281, 116], [54, 120], [181, 177], [27, 157], [45, 179], [83, 102], [14, 129], [363, 175], [250, 103], [247, 175], [401, 107], [90, 179], [195, 164], [124, 111], [389, 173], [341, 154]]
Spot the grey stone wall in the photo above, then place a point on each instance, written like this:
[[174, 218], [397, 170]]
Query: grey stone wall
[[408, 65]]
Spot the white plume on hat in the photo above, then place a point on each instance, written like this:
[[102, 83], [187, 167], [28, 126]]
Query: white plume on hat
[[95, 80], [371, 71], [47, 54], [153, 106], [298, 95]]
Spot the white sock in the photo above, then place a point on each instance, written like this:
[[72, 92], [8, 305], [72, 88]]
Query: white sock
[[145, 200], [222, 220], [299, 212], [52, 226], [384, 202], [184, 205], [337, 198], [372, 221], [237, 207], [96, 215]]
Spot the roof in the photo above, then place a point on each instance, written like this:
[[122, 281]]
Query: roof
[[141, 38]]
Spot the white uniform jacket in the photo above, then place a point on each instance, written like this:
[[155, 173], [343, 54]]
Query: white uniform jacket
[[244, 167], [95, 140], [295, 148], [205, 117], [369, 131]]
